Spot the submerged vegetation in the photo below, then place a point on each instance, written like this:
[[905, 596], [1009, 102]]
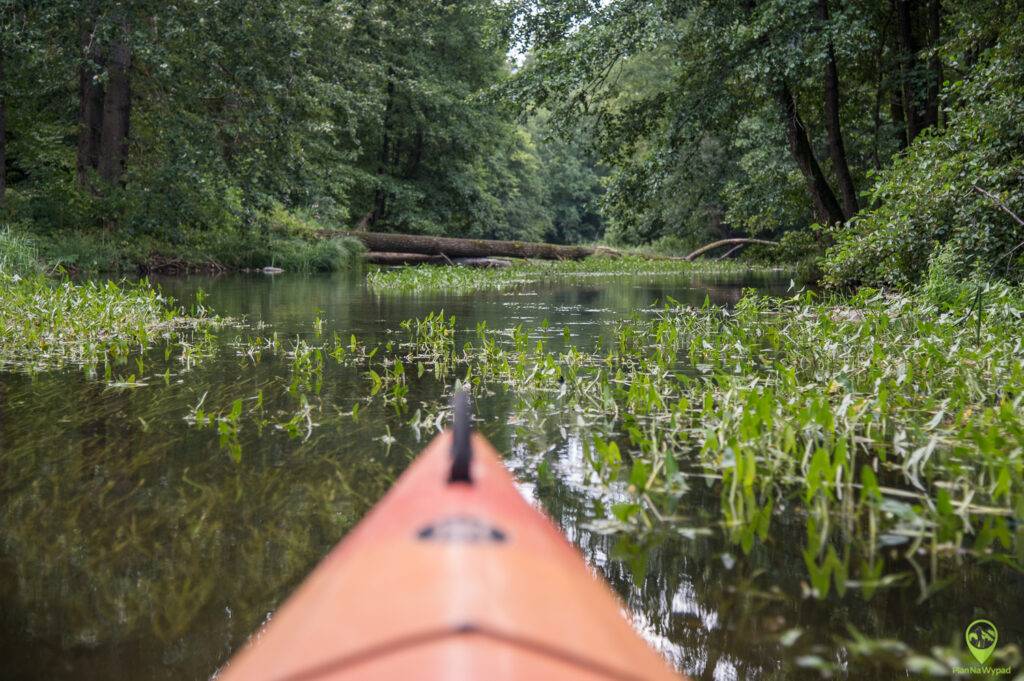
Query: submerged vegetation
[[900, 415], [890, 426], [120, 582]]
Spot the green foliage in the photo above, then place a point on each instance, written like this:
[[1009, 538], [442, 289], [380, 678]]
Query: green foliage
[[282, 240], [944, 208], [680, 99], [674, 245], [351, 114], [689, 120], [17, 253], [714, 120], [571, 181], [428, 278], [292, 254], [280, 221], [46, 324], [90, 251]]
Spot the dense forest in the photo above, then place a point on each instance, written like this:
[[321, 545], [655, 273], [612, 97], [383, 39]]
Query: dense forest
[[888, 132], [205, 126], [884, 135]]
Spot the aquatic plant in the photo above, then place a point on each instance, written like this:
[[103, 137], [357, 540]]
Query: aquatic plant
[[888, 412], [46, 324], [887, 416], [886, 429], [427, 278]]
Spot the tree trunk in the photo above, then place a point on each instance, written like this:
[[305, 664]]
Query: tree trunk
[[727, 242], [833, 124], [934, 63], [450, 247], [380, 196], [727, 254], [90, 102], [826, 205], [907, 48], [117, 103], [876, 122], [388, 258], [898, 119], [3, 132], [416, 155], [880, 93]]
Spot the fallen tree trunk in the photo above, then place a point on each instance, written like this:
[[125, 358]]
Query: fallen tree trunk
[[387, 258], [421, 259], [732, 250], [482, 262], [382, 242], [727, 242]]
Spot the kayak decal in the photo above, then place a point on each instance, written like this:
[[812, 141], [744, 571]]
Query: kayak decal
[[462, 529]]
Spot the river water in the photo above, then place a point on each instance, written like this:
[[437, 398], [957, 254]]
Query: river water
[[133, 546]]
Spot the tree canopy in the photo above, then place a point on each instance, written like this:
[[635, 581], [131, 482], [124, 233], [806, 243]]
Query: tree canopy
[[880, 135], [172, 119], [721, 118]]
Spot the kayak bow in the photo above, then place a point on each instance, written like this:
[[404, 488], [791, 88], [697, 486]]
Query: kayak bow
[[452, 575]]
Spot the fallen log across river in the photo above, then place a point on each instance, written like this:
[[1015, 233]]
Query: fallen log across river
[[451, 247], [388, 248]]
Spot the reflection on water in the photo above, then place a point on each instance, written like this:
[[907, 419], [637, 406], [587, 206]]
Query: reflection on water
[[132, 546]]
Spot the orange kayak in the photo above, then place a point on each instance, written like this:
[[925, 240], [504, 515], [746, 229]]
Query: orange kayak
[[453, 575]]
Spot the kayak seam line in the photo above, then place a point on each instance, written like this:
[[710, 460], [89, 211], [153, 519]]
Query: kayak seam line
[[423, 638], [367, 654], [553, 652]]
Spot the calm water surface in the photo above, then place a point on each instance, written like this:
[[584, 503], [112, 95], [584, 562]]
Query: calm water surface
[[133, 547]]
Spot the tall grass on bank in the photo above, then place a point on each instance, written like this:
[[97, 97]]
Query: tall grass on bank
[[274, 237], [93, 252], [294, 254], [17, 254]]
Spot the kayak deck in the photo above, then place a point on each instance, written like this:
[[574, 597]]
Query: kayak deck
[[450, 580]]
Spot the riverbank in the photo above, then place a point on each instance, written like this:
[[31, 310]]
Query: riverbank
[[92, 252], [303, 248], [48, 321]]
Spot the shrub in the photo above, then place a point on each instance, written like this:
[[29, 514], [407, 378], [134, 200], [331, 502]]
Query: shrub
[[950, 190], [279, 220]]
